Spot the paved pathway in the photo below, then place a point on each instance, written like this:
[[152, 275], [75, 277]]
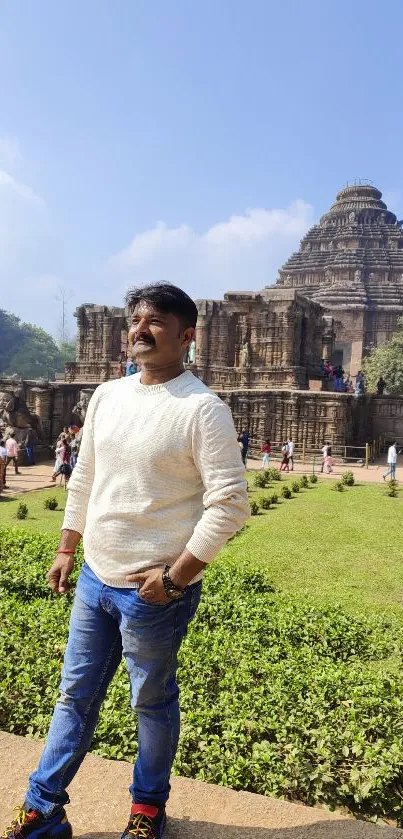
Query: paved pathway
[[30, 477], [371, 475], [39, 477], [100, 804]]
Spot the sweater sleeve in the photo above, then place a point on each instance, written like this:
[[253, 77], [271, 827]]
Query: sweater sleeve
[[217, 456], [80, 483]]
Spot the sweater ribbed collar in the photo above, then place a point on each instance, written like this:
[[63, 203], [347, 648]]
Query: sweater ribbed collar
[[172, 386]]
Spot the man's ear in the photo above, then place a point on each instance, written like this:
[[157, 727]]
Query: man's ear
[[189, 335]]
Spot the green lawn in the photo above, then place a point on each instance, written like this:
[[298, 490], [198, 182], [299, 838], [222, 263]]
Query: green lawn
[[39, 519], [331, 547]]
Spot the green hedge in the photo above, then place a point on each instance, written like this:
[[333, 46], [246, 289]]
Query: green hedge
[[277, 697]]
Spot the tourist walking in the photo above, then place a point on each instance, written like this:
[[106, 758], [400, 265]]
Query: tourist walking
[[29, 443], [326, 452], [243, 439], [391, 461], [290, 447], [158, 489], [284, 465], [266, 450], [12, 450]]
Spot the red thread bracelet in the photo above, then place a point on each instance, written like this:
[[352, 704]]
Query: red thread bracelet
[[59, 551]]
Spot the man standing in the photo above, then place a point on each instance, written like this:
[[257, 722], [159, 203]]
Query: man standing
[[380, 386], [290, 447], [11, 454], [243, 439], [392, 460], [158, 489]]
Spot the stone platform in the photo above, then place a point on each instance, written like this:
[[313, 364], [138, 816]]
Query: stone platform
[[100, 804]]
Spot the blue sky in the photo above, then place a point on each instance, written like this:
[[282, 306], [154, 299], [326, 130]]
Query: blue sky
[[188, 140]]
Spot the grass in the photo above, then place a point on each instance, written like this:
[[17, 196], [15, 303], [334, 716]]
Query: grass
[[336, 548], [39, 520]]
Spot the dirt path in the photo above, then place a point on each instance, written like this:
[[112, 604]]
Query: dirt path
[[100, 804]]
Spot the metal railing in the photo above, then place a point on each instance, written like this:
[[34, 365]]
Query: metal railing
[[353, 455]]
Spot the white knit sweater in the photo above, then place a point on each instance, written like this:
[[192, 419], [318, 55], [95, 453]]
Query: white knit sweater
[[159, 470]]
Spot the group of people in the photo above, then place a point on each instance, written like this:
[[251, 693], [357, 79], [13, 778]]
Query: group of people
[[66, 450], [342, 383], [126, 367]]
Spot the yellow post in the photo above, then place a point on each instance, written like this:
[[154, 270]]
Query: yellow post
[[366, 455], [303, 452]]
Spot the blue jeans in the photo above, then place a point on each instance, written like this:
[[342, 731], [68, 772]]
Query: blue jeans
[[391, 471], [106, 623]]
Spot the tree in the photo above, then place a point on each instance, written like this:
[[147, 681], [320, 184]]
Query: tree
[[387, 361], [67, 350], [10, 335], [36, 355]]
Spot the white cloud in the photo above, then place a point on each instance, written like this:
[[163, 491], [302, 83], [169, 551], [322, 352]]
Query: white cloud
[[243, 252], [10, 184]]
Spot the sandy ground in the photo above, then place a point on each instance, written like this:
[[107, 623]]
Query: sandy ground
[[100, 804]]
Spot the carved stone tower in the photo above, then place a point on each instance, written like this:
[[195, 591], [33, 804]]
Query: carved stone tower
[[352, 264]]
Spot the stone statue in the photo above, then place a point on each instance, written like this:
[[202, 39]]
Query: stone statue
[[288, 280], [357, 276], [80, 409], [308, 247], [371, 277], [330, 246], [352, 216], [328, 275], [244, 355], [15, 413], [191, 353]]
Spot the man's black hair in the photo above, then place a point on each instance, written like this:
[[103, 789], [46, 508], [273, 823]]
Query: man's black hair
[[166, 298]]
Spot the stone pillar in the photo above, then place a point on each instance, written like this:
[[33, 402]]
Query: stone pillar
[[222, 344], [202, 340], [41, 402]]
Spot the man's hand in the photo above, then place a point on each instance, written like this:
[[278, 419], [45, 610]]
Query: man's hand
[[58, 576], [151, 586]]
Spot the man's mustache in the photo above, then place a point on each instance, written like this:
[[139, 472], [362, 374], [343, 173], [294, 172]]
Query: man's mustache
[[146, 339]]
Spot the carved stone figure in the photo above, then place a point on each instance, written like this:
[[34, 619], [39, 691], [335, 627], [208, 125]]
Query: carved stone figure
[[351, 216], [245, 355], [81, 408], [15, 413], [357, 276]]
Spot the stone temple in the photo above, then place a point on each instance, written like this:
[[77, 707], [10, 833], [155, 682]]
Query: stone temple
[[339, 295], [351, 263]]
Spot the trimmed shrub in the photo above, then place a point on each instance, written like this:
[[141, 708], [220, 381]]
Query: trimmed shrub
[[348, 479], [51, 503], [273, 498], [278, 696], [392, 488], [254, 508], [339, 486], [313, 479], [273, 474], [295, 486], [260, 480], [286, 492], [22, 511], [266, 503]]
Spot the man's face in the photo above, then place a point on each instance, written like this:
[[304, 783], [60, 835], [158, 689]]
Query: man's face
[[157, 339]]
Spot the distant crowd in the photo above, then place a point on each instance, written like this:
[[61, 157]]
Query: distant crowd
[[344, 383]]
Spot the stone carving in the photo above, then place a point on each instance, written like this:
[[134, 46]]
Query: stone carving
[[357, 276], [351, 216], [191, 353], [245, 355], [15, 413], [81, 408]]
